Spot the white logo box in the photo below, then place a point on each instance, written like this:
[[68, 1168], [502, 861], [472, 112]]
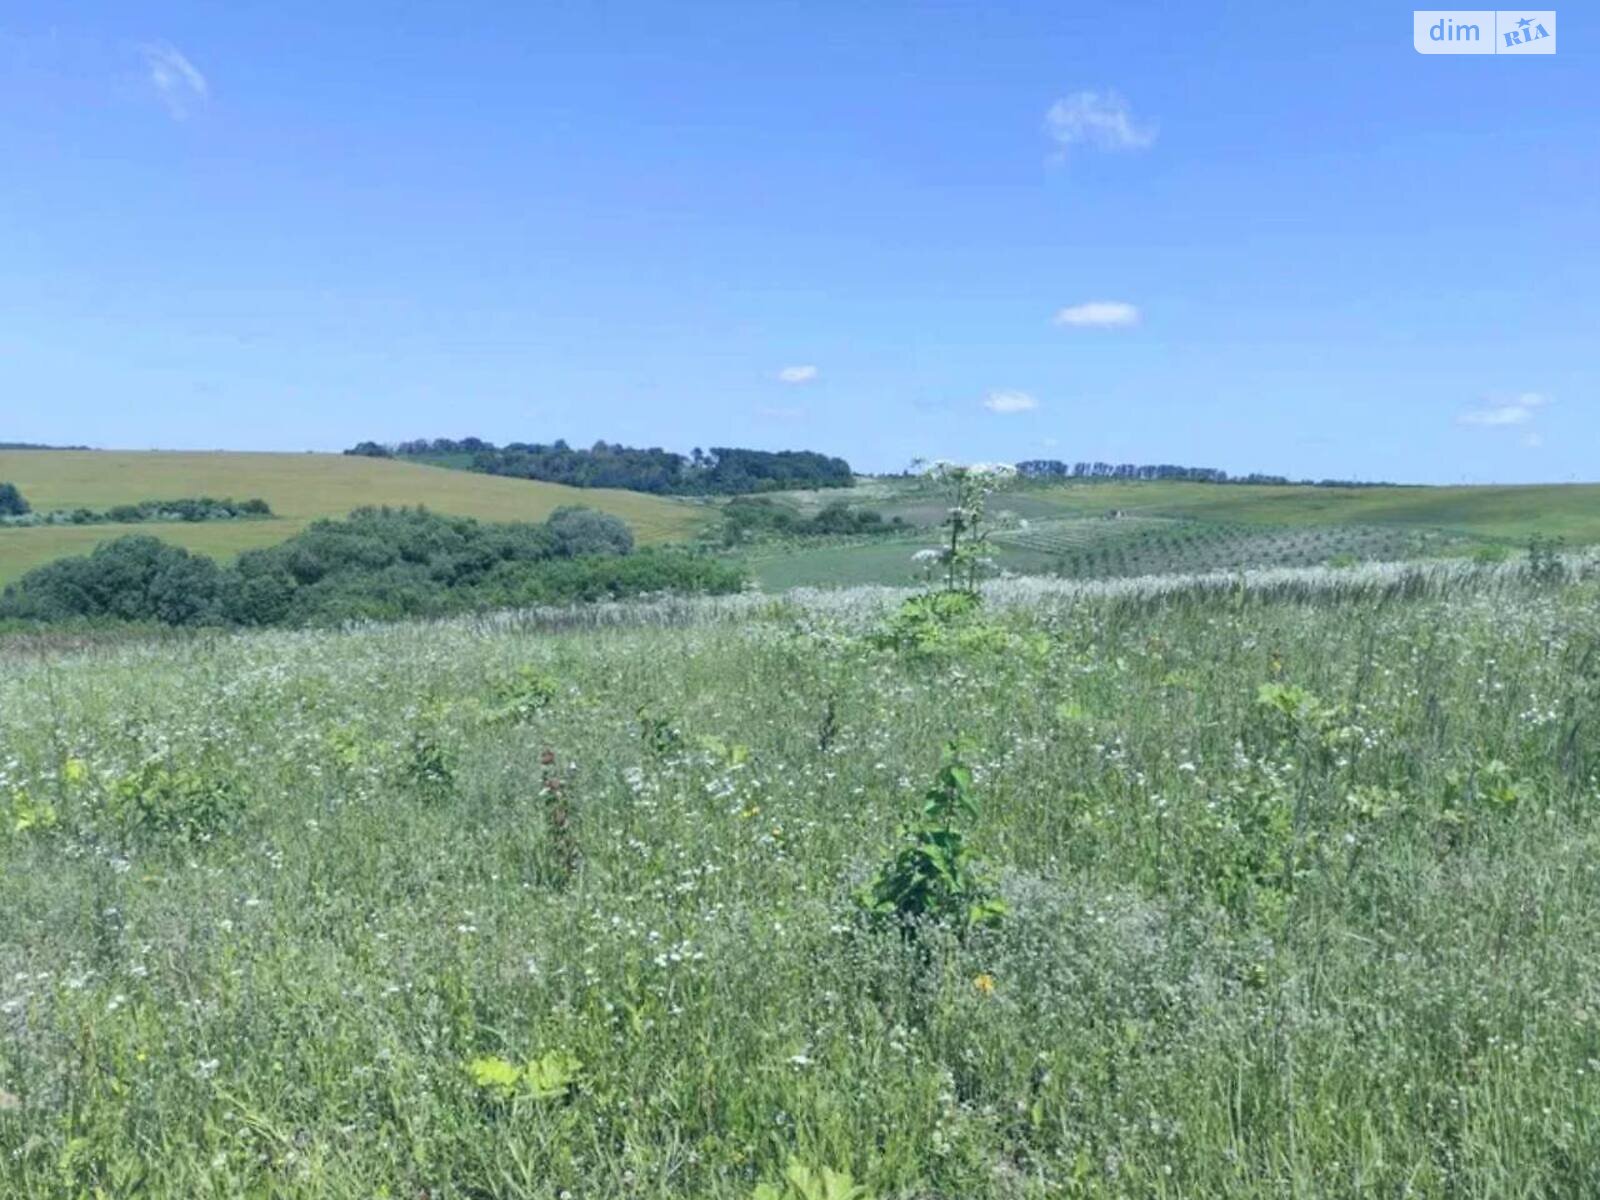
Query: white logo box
[[1483, 31]]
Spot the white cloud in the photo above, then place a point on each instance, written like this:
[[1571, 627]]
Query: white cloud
[[1099, 314], [177, 80], [1009, 402], [1099, 119], [1533, 440], [803, 374], [1519, 410]]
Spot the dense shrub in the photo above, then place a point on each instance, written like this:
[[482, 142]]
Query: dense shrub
[[750, 518], [131, 578], [376, 563], [189, 508], [185, 508], [583, 531], [11, 502]]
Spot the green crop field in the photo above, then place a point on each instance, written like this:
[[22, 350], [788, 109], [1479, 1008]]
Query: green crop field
[[1570, 511], [1089, 530], [299, 487], [1298, 882]]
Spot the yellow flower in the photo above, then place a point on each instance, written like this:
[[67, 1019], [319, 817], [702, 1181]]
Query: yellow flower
[[984, 983]]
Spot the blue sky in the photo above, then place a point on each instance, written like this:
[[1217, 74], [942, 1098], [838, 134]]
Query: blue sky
[[1259, 237]]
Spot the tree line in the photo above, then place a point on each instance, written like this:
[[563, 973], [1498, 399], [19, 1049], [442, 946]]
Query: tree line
[[1054, 468], [720, 471], [14, 510], [377, 563]]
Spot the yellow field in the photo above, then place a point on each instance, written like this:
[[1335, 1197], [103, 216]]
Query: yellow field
[[299, 487]]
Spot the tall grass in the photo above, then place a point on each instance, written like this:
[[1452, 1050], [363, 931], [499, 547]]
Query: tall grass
[[282, 901]]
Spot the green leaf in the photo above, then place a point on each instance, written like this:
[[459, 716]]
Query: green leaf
[[552, 1073], [494, 1074]]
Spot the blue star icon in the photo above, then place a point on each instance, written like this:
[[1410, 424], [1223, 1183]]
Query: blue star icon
[[1525, 22]]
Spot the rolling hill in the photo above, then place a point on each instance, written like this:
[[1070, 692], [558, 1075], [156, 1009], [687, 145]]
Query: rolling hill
[[1494, 513], [1164, 526], [299, 487]]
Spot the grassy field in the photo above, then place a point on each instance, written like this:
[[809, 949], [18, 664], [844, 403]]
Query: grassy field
[[496, 909], [1161, 528], [1570, 511], [1096, 548], [299, 487]]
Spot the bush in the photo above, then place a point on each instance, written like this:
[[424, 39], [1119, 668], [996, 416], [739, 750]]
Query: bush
[[11, 502], [376, 564], [583, 531], [934, 876], [185, 508], [1545, 565], [130, 579], [751, 517]]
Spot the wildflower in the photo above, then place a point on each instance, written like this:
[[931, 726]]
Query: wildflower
[[984, 983]]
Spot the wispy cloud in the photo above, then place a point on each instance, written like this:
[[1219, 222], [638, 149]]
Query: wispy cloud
[[1520, 410], [177, 81], [1009, 402], [1099, 314], [1102, 120], [801, 374]]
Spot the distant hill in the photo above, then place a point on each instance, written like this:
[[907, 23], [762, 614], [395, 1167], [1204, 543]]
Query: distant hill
[[299, 487]]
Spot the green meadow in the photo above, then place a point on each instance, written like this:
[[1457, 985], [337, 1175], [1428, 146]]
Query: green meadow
[[1297, 885]]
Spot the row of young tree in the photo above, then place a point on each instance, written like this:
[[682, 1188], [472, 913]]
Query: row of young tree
[[375, 564], [14, 510], [721, 471], [1053, 468]]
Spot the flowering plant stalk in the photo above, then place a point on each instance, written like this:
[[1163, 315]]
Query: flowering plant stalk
[[967, 489]]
